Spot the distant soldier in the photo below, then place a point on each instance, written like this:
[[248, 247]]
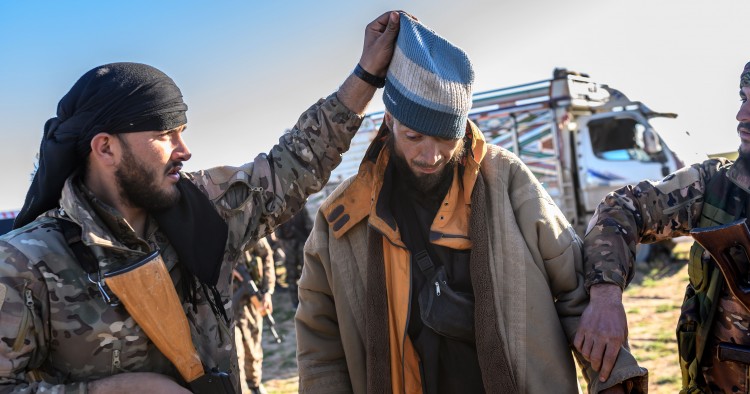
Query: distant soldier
[[258, 261], [293, 235]]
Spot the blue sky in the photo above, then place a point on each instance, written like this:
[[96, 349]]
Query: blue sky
[[248, 68]]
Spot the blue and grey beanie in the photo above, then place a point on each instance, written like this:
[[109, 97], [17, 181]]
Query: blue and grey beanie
[[429, 81]]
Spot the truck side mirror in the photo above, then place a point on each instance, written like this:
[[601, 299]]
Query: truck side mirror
[[651, 142]]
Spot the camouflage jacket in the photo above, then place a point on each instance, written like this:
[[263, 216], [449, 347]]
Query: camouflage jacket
[[56, 331], [645, 213]]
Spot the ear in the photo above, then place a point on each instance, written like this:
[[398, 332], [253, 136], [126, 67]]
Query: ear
[[105, 149], [388, 120]]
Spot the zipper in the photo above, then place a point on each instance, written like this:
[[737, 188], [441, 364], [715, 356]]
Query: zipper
[[437, 288], [116, 359], [28, 316], [116, 353]]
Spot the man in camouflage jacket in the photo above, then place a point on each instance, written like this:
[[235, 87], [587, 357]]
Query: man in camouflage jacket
[[706, 194], [260, 264], [57, 333]]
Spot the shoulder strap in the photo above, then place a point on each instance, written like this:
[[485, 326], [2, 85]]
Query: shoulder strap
[[72, 234]]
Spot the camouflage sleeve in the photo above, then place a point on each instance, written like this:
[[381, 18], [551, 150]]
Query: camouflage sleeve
[[22, 336], [644, 213], [264, 251], [258, 196]]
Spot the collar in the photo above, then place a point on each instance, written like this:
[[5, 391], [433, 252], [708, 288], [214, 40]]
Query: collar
[[101, 224], [359, 200]]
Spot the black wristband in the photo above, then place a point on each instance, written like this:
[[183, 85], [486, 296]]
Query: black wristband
[[369, 78]]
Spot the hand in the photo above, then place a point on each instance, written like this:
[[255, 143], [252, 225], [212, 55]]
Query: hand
[[616, 389], [380, 40], [133, 382], [603, 329], [268, 303]]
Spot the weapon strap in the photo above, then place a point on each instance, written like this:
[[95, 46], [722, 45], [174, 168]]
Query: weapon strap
[[84, 256]]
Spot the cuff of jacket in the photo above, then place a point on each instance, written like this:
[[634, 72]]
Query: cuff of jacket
[[599, 277], [626, 370]]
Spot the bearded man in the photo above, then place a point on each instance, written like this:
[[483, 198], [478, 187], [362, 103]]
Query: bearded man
[[706, 194], [109, 190], [442, 266]]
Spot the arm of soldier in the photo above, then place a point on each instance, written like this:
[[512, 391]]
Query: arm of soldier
[[260, 195], [23, 345], [22, 334], [644, 213], [135, 382], [320, 352]]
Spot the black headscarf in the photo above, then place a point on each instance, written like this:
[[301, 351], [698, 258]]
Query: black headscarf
[[124, 98]]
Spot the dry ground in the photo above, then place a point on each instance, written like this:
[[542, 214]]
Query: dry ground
[[652, 303]]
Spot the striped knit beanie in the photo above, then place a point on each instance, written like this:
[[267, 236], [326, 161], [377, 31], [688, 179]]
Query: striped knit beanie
[[428, 86]]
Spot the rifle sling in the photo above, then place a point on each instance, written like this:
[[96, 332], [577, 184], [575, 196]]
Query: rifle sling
[[84, 256]]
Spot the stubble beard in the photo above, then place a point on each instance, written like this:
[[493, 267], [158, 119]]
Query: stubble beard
[[138, 185]]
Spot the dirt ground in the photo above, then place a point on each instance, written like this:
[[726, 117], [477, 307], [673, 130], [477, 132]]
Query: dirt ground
[[652, 303]]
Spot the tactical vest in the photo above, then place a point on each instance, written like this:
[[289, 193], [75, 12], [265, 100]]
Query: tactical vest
[[723, 203]]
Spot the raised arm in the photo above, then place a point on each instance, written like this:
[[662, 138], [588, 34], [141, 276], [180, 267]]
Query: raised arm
[[260, 195]]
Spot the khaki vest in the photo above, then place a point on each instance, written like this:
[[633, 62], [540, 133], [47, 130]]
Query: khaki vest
[[724, 202]]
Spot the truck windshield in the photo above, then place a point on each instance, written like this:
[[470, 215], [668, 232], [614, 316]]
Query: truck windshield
[[621, 139]]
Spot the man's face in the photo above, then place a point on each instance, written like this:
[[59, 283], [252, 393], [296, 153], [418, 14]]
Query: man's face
[[148, 171], [427, 158], [743, 116]]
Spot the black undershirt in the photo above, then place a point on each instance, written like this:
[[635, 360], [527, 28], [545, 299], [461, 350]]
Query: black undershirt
[[446, 365]]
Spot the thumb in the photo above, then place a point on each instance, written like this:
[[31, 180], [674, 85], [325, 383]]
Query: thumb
[[393, 24]]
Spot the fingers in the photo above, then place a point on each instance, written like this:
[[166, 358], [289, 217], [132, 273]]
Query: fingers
[[596, 355], [578, 340], [610, 357], [393, 21], [380, 41], [587, 344], [381, 22]]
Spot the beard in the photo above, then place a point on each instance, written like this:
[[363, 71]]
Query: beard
[[744, 158], [138, 186], [427, 184]]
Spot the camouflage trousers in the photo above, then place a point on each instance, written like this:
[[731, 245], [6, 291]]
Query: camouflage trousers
[[730, 325], [295, 251], [248, 342]]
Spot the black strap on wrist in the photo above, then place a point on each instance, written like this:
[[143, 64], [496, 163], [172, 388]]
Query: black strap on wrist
[[373, 80]]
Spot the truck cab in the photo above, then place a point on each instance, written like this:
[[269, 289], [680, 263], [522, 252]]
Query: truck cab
[[6, 221]]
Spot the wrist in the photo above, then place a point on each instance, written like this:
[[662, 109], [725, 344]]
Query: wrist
[[371, 79], [607, 292]]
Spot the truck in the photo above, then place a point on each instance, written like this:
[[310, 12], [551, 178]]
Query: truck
[[6, 221], [580, 138]]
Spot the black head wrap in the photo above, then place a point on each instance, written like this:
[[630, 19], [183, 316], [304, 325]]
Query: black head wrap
[[114, 98], [123, 98], [745, 76]]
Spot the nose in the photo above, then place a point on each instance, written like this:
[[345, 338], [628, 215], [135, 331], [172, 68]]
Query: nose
[[181, 151], [743, 115], [429, 153]]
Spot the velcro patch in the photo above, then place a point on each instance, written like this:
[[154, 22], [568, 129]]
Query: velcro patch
[[3, 291]]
